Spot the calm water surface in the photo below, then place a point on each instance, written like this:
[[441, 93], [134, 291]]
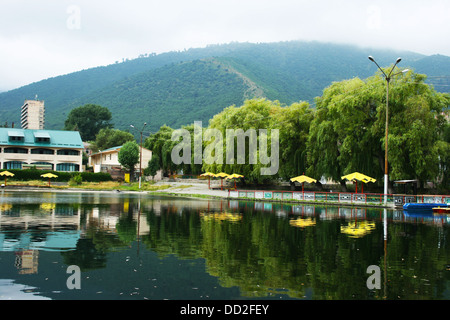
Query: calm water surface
[[131, 246]]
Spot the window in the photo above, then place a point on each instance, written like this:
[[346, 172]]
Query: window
[[16, 136], [15, 150], [68, 152], [12, 165], [71, 167], [16, 139], [41, 137], [43, 140], [42, 151]]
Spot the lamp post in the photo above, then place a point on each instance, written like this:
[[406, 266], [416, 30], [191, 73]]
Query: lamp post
[[140, 153], [388, 79]]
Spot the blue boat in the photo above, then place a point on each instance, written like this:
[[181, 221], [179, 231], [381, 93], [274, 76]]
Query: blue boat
[[423, 206]]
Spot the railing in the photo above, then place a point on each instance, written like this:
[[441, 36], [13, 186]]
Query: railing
[[337, 197]]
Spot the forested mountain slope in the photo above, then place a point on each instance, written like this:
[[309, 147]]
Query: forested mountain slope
[[177, 88]]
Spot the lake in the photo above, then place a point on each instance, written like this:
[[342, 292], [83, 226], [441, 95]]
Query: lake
[[137, 246]]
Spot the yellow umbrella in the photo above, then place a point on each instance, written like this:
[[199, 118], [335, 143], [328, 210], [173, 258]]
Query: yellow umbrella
[[302, 179], [356, 176], [221, 175], [49, 175], [234, 176], [6, 174], [209, 175]]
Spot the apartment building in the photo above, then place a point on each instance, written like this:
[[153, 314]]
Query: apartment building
[[45, 149], [33, 115]]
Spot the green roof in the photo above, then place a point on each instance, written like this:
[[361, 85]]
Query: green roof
[[29, 138], [107, 150]]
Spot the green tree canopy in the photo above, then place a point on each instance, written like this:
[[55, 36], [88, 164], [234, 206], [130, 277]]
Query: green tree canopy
[[292, 122], [88, 120], [161, 145], [129, 155], [153, 166], [348, 130], [109, 138]]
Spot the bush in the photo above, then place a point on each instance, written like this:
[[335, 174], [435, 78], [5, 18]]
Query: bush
[[76, 180], [34, 174]]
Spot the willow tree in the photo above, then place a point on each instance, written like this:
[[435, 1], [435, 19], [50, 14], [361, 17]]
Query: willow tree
[[260, 116], [348, 132], [252, 115], [161, 145], [294, 123]]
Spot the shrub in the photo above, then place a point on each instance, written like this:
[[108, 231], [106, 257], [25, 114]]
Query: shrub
[[76, 180], [34, 174]]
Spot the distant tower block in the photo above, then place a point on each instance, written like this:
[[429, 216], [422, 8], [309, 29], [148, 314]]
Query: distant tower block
[[33, 115]]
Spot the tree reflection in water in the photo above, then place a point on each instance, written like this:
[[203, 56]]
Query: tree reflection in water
[[264, 249]]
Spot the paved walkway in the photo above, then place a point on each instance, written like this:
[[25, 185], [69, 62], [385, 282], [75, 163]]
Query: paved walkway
[[192, 188]]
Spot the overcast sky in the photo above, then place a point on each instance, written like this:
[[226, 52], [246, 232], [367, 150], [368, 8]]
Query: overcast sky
[[45, 38]]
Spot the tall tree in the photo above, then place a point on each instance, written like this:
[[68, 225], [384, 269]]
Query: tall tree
[[109, 138], [161, 145], [88, 120], [348, 132], [153, 166], [129, 155]]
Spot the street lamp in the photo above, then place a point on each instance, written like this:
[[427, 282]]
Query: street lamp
[[388, 79], [140, 153]]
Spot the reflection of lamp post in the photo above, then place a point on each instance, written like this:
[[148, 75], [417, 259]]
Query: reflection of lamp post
[[140, 153], [388, 79]]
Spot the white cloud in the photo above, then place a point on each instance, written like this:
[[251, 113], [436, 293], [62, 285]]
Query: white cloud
[[44, 38]]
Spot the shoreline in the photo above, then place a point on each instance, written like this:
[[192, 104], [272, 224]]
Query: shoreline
[[198, 191]]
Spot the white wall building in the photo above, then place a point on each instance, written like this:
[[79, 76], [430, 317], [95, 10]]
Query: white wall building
[[33, 115], [45, 149]]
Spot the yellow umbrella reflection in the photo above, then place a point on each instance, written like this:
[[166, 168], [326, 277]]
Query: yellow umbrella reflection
[[302, 179], [209, 175], [358, 230], [6, 174], [221, 216], [356, 176], [302, 222], [49, 176]]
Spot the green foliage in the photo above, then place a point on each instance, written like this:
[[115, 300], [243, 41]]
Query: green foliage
[[293, 123], [109, 138], [34, 174], [159, 87], [76, 180], [348, 131], [88, 120], [161, 145], [129, 155], [196, 90], [153, 166]]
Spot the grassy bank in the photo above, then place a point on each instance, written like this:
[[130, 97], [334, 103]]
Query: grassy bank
[[100, 186]]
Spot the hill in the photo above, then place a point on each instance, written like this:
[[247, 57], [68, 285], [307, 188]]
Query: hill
[[177, 88]]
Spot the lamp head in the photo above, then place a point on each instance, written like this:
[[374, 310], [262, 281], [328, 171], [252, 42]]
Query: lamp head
[[398, 60], [371, 59]]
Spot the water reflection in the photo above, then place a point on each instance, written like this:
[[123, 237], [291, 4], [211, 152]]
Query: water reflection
[[196, 249]]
